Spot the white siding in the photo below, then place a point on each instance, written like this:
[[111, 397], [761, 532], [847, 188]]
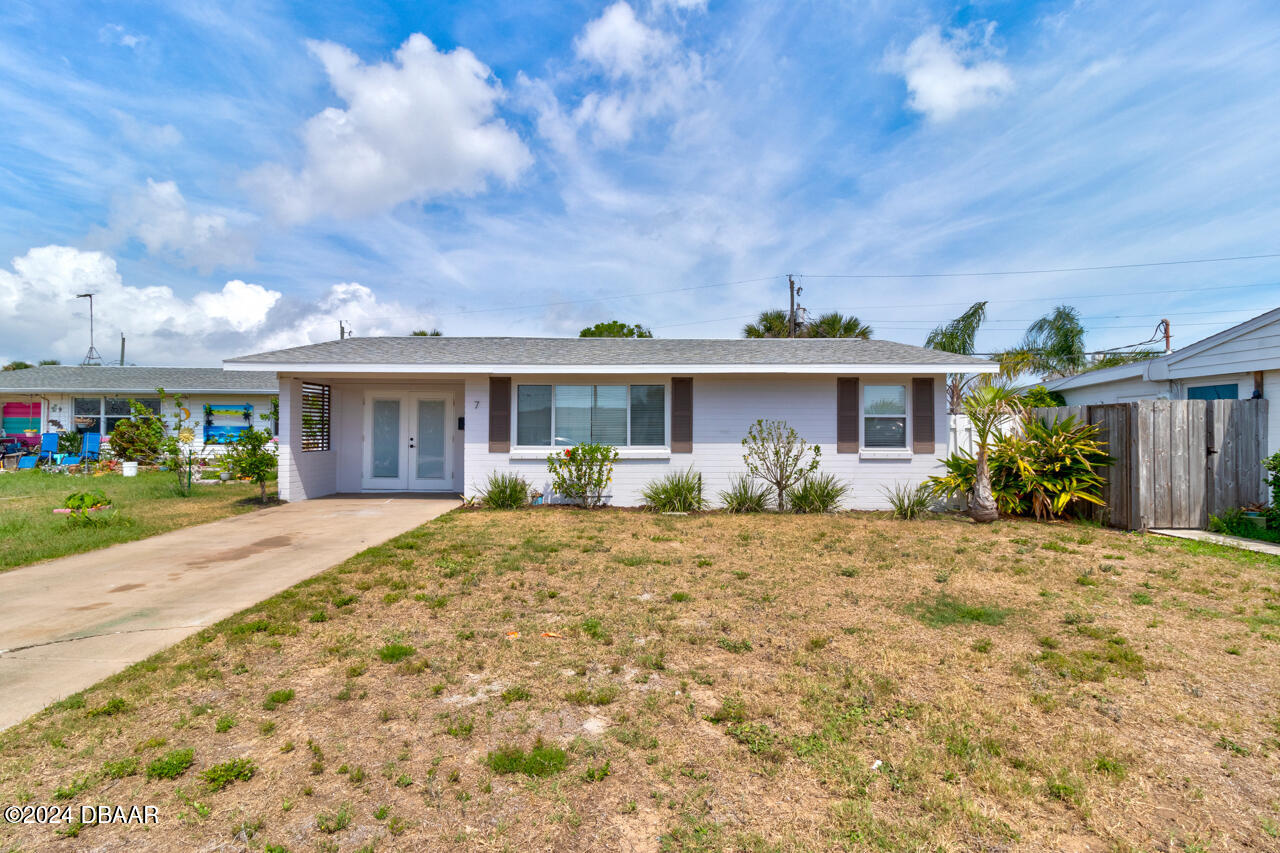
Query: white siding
[[723, 409], [1258, 349], [1117, 391], [306, 475]]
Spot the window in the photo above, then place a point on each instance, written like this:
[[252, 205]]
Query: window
[[1214, 392], [101, 414], [565, 415], [315, 417], [884, 409]]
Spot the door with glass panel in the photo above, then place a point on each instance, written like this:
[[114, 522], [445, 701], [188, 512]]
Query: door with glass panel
[[407, 443]]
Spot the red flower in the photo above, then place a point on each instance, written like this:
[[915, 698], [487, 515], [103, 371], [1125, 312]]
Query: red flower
[[568, 451]]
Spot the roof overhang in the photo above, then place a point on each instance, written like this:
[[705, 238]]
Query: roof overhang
[[606, 369]]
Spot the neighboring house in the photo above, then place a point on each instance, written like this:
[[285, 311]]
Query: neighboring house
[[1236, 364], [443, 413], [64, 398]]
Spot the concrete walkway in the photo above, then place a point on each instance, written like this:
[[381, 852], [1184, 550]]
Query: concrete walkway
[[68, 623], [1222, 539]]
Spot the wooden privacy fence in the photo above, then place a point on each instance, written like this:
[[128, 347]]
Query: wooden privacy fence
[[1177, 461]]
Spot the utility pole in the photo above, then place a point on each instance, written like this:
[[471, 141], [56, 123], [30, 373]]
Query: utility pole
[[342, 331], [791, 318], [122, 349], [1168, 336], [91, 357]]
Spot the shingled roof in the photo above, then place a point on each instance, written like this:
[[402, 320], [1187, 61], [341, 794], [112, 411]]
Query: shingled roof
[[440, 352], [62, 379]]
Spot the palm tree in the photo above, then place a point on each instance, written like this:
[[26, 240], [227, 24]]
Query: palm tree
[[960, 337], [1052, 346], [836, 325], [770, 324], [987, 407]]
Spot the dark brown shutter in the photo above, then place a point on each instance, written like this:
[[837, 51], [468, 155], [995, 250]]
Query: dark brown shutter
[[846, 415], [499, 414], [922, 415], [682, 415]]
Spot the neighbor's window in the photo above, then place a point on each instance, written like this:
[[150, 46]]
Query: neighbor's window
[[1214, 392], [315, 417], [884, 410], [101, 414], [565, 415]]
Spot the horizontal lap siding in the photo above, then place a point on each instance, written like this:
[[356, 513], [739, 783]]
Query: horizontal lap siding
[[724, 408]]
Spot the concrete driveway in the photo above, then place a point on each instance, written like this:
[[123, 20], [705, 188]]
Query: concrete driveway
[[68, 623]]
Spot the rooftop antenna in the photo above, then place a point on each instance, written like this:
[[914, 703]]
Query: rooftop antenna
[[91, 357]]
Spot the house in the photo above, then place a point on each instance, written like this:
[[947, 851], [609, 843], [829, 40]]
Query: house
[[443, 413], [1237, 364], [92, 398]]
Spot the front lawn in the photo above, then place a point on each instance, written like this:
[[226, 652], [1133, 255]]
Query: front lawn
[[554, 679], [143, 506]]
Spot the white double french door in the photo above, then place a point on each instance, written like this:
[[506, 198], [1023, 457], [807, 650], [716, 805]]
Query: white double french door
[[408, 445]]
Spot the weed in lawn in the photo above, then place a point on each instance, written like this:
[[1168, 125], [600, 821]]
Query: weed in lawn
[[276, 698], [395, 652], [221, 775], [110, 708], [332, 822], [121, 768], [171, 765], [517, 693], [600, 696], [732, 710], [225, 723], [541, 760], [736, 647], [596, 773]]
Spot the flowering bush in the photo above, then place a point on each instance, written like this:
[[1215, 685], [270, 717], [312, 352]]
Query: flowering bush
[[583, 473]]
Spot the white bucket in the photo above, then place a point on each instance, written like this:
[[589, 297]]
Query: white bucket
[[129, 469]]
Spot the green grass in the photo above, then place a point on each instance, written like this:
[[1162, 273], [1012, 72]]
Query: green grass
[[171, 765], [143, 506], [946, 610], [541, 760]]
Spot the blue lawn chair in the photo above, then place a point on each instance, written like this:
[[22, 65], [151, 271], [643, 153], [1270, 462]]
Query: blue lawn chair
[[27, 463], [48, 446], [91, 446]]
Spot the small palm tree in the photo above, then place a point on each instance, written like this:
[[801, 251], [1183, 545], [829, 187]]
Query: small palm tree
[[960, 337], [1052, 346], [836, 325], [988, 407], [770, 324]]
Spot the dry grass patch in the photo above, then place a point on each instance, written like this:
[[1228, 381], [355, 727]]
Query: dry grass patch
[[550, 679]]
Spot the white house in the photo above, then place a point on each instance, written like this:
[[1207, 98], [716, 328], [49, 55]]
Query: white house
[[1237, 364], [93, 398], [443, 413]]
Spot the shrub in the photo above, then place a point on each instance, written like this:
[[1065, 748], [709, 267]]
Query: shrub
[[908, 501], [776, 454], [817, 493], [505, 491], [253, 455], [745, 495], [221, 775], [582, 474], [1048, 470], [171, 765], [542, 760], [679, 491], [137, 438]]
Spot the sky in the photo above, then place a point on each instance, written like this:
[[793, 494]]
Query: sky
[[234, 177]]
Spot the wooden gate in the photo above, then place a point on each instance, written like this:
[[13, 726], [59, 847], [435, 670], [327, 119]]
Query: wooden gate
[[1177, 461]]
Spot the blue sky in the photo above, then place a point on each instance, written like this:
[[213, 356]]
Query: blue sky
[[232, 177]]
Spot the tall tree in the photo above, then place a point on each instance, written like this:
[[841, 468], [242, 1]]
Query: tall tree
[[18, 365], [836, 325], [615, 329], [960, 337], [1052, 346], [770, 324]]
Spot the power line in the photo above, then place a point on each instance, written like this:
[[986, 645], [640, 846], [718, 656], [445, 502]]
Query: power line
[[1046, 271]]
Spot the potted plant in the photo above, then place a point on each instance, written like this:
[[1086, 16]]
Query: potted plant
[[1256, 514]]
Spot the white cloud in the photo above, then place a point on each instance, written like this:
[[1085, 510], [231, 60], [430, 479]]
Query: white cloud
[[619, 43], [417, 128], [649, 76], [146, 135], [947, 75], [116, 34], [166, 328], [159, 216]]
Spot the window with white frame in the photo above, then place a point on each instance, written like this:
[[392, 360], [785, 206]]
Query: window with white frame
[[565, 415], [884, 416], [101, 414]]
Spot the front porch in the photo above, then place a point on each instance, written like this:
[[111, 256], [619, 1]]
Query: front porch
[[371, 434]]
